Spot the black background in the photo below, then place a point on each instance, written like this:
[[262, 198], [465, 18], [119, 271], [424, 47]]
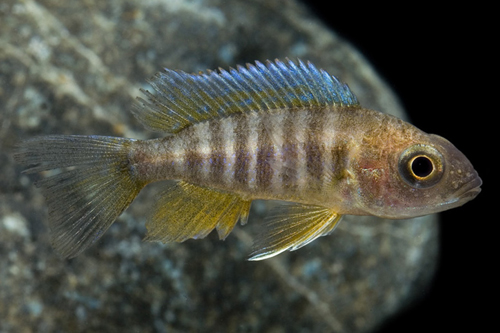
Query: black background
[[436, 60]]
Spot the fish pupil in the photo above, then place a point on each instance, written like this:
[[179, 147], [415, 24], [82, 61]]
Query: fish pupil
[[422, 166]]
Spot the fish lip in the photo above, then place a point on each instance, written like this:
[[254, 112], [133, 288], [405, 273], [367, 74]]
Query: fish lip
[[470, 194], [470, 189]]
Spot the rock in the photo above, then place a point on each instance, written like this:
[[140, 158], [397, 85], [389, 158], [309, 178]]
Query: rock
[[76, 68]]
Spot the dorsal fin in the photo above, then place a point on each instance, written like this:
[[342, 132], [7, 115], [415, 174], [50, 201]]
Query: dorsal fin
[[182, 99]]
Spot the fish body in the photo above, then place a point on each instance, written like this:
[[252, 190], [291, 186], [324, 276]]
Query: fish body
[[303, 155], [274, 131]]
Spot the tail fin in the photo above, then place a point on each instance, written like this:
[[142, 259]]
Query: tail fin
[[94, 186]]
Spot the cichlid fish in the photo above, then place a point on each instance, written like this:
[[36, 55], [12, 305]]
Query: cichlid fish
[[275, 131]]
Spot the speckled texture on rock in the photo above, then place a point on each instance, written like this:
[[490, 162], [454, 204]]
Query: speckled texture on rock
[[75, 67]]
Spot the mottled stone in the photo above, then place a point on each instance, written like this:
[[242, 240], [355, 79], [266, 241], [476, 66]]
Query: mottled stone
[[75, 67]]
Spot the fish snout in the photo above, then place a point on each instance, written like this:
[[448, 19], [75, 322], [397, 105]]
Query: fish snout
[[471, 188]]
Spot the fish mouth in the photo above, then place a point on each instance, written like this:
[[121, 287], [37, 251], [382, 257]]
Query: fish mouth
[[469, 190]]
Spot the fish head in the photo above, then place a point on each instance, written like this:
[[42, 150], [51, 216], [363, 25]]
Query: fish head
[[418, 177]]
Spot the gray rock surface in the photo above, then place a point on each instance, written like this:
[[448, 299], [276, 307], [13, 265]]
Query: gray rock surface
[[75, 67]]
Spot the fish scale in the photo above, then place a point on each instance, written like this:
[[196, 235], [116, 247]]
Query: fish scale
[[266, 172], [293, 165], [279, 130]]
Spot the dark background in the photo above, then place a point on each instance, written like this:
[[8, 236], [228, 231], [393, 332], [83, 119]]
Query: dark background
[[436, 60]]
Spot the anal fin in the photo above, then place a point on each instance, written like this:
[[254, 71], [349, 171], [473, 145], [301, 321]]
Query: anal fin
[[291, 226], [185, 211]]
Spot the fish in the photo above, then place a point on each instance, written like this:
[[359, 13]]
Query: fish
[[273, 130]]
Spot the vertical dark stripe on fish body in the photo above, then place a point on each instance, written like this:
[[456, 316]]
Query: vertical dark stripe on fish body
[[193, 159], [289, 152], [265, 154], [217, 155], [242, 153], [338, 154], [339, 160], [314, 149]]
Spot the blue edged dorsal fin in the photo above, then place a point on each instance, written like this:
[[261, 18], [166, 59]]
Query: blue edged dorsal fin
[[182, 99]]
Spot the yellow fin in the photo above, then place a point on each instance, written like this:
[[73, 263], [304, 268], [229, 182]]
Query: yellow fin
[[186, 211], [292, 226]]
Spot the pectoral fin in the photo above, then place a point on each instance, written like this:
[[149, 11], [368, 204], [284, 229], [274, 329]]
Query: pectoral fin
[[292, 226], [186, 211]]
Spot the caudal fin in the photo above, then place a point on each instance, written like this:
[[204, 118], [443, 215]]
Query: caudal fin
[[93, 187]]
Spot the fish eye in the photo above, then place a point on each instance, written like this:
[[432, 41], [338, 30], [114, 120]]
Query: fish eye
[[421, 166]]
